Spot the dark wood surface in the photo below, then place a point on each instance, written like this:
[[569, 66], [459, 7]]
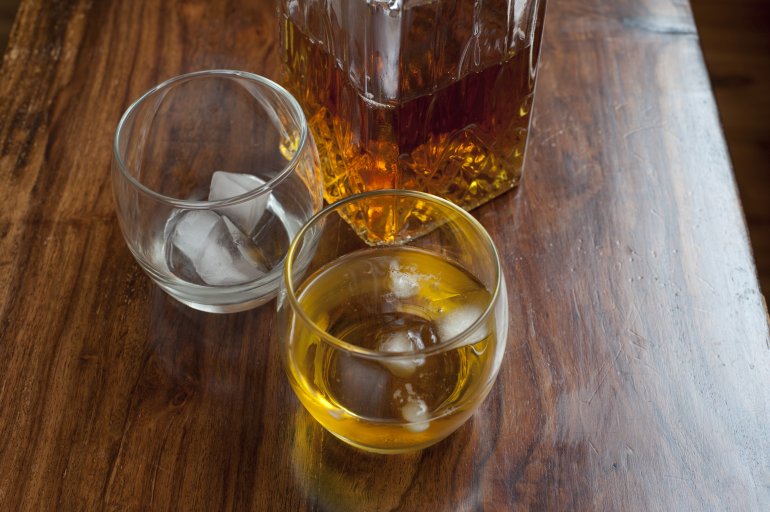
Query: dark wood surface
[[637, 375], [735, 38], [8, 10]]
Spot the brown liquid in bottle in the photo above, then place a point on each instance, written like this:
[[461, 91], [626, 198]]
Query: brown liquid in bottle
[[464, 141]]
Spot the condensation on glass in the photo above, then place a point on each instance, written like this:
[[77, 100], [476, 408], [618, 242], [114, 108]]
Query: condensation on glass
[[432, 95]]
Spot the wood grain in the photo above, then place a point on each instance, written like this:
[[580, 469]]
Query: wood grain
[[7, 14], [736, 46], [637, 375]]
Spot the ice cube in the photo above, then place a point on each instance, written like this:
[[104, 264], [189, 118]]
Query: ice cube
[[272, 239], [204, 238], [416, 413], [246, 247], [457, 320], [246, 215], [401, 341], [402, 284], [359, 386]]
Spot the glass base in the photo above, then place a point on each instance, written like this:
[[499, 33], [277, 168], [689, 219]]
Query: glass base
[[388, 451], [224, 308], [223, 300]]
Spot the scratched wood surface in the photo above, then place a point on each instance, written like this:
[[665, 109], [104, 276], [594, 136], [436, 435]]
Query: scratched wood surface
[[637, 375], [736, 46]]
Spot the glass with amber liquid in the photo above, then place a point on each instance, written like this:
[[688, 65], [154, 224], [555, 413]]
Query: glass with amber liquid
[[430, 95], [392, 342]]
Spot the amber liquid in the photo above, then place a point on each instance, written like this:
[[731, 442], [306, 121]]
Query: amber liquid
[[464, 142], [392, 300]]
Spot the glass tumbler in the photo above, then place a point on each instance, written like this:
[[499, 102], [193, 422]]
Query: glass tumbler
[[213, 174], [392, 341]]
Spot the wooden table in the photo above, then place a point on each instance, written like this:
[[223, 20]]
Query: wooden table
[[637, 374]]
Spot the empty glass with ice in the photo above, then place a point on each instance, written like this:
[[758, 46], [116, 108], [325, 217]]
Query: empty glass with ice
[[213, 175], [392, 337]]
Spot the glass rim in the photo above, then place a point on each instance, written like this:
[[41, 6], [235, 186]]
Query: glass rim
[[450, 344], [268, 186]]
